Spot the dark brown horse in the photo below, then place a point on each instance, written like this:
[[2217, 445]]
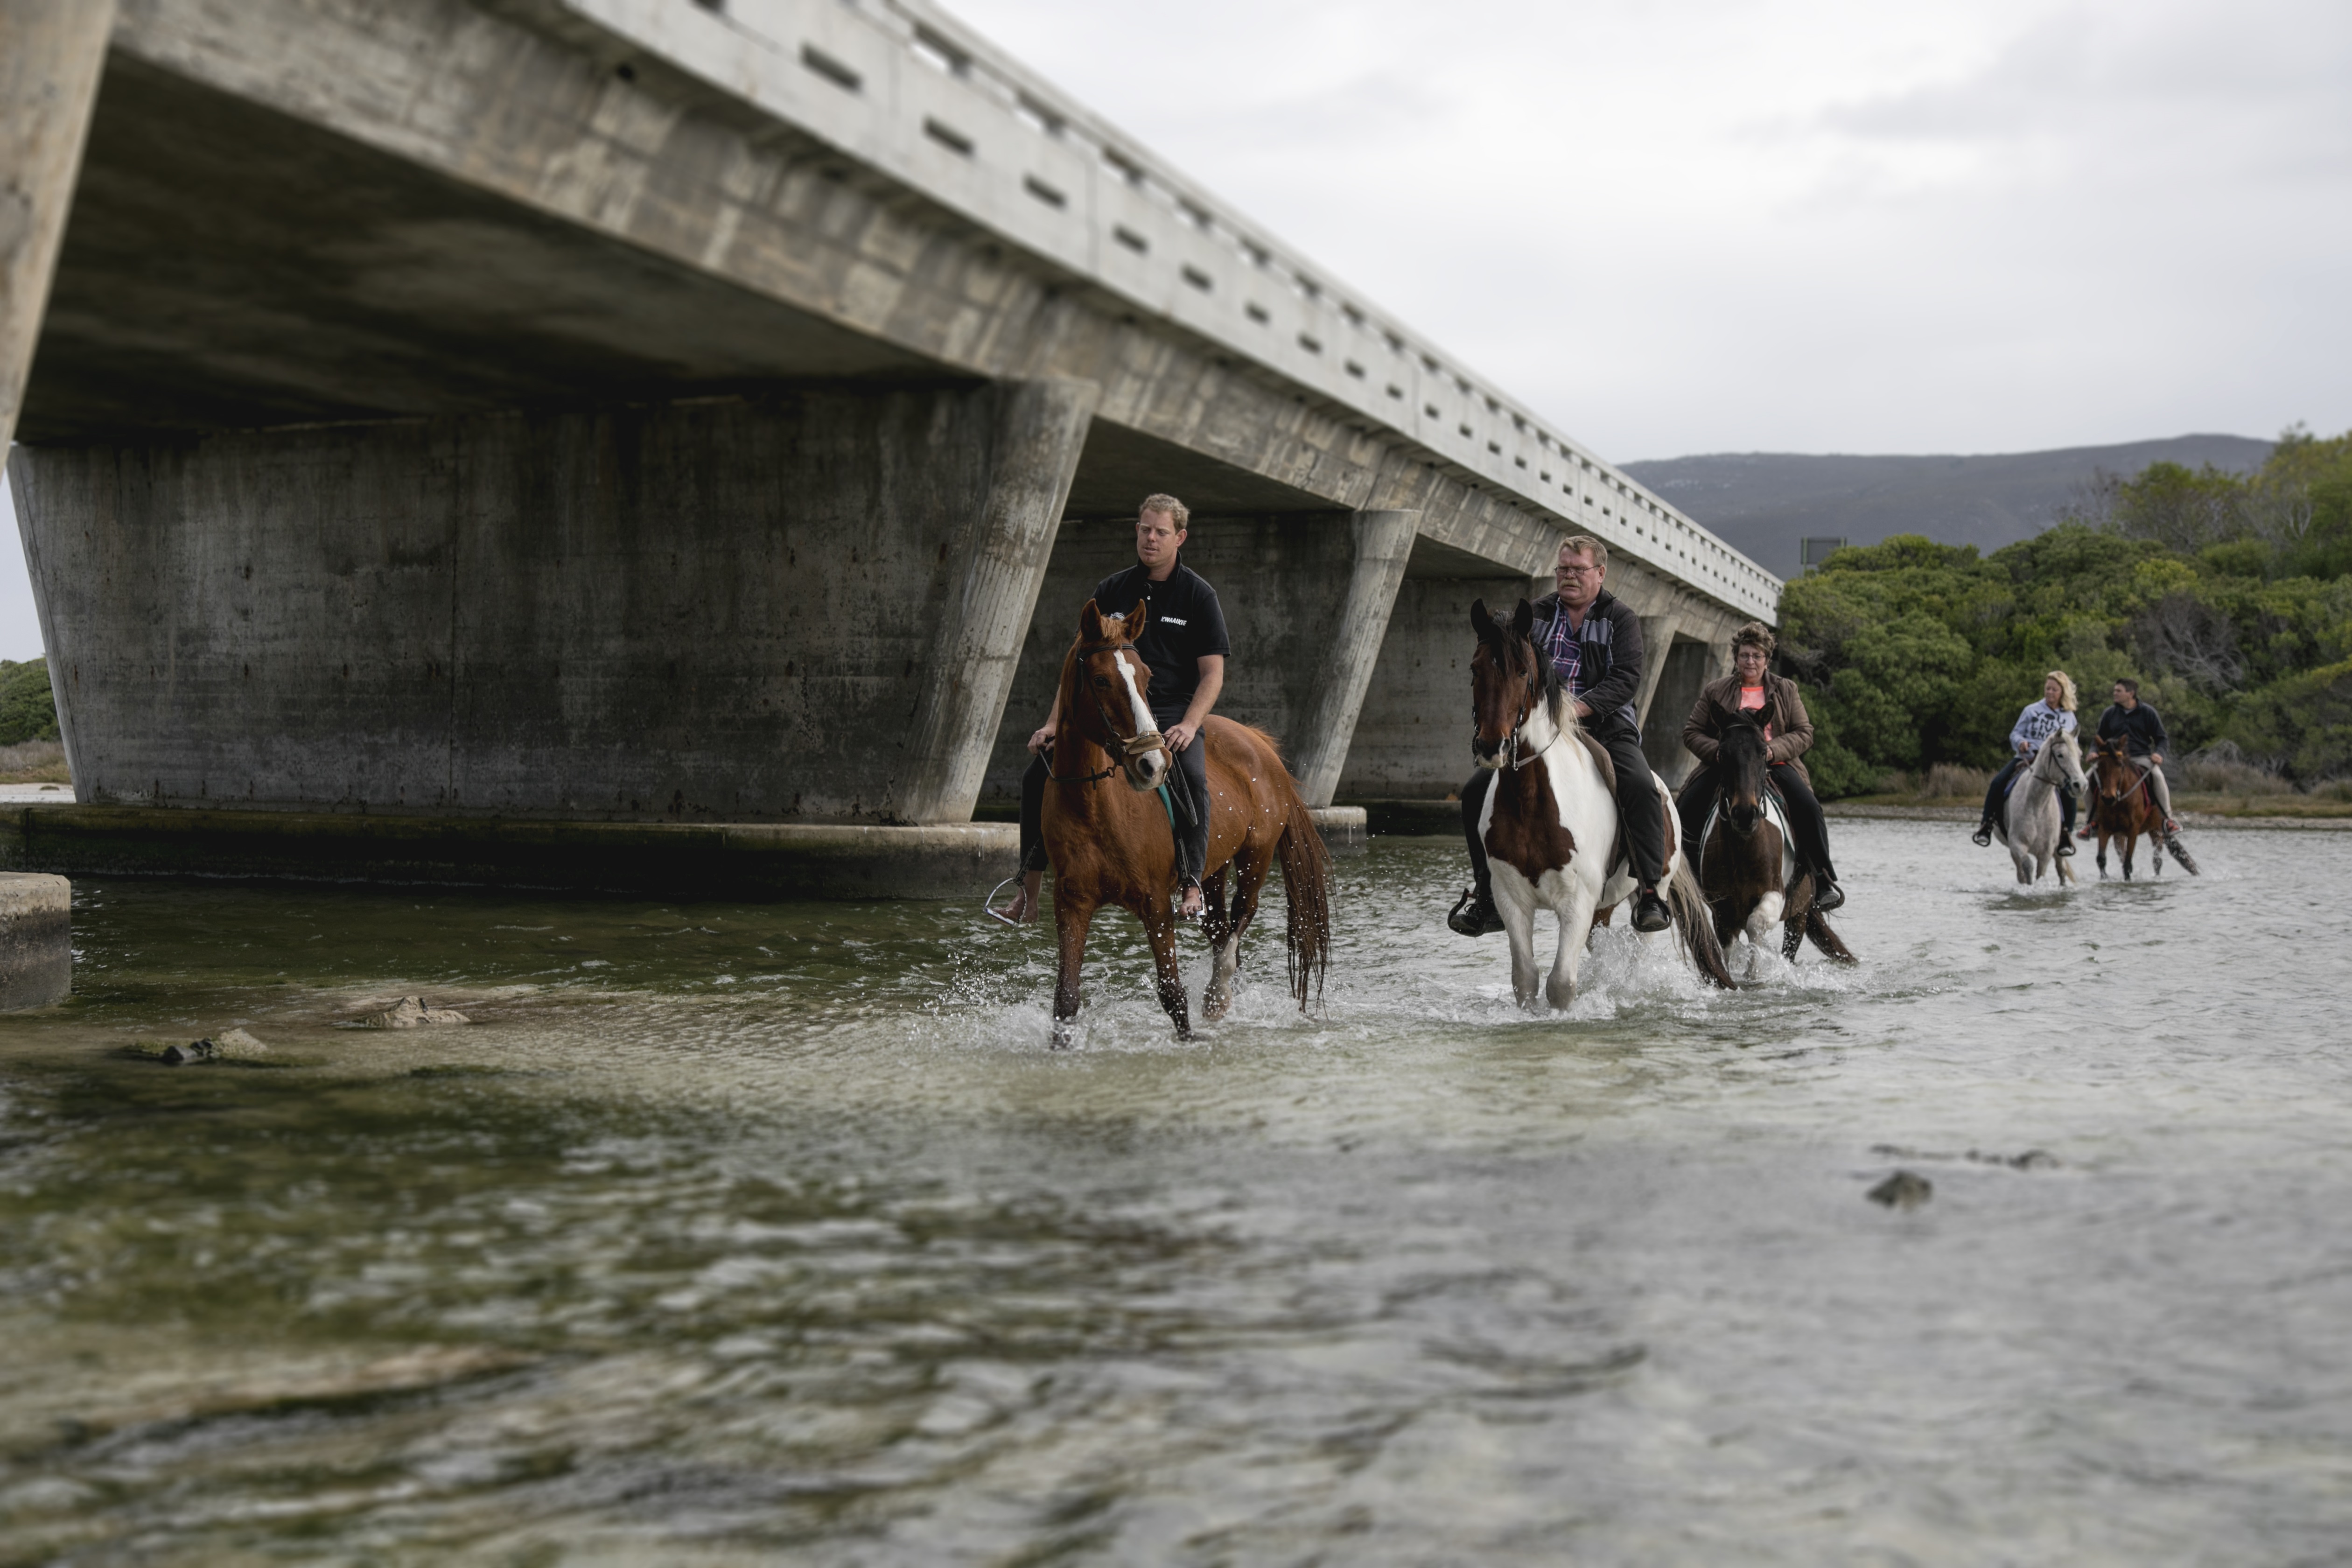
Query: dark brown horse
[[2123, 807], [1746, 863], [1111, 843]]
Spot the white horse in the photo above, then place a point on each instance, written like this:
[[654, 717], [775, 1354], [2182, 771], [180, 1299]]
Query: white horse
[[2030, 822], [1550, 822]]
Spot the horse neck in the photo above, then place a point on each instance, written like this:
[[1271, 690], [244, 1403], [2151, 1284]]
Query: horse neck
[[1541, 728], [1076, 753]]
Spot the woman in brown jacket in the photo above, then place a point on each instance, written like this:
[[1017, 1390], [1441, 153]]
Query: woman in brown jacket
[[1751, 690]]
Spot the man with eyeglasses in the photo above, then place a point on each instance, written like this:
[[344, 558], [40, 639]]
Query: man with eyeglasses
[[1594, 640]]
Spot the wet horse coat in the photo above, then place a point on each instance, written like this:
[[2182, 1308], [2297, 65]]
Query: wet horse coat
[[1549, 823], [1751, 880], [1108, 835]]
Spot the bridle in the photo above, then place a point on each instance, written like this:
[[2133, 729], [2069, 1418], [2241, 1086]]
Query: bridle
[[1125, 751], [1508, 747]]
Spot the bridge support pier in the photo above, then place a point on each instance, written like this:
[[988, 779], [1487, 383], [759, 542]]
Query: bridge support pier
[[1383, 544], [50, 61], [723, 610], [1002, 550]]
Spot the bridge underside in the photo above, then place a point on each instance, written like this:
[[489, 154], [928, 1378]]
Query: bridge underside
[[349, 483]]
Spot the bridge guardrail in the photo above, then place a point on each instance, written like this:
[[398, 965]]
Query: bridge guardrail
[[905, 88]]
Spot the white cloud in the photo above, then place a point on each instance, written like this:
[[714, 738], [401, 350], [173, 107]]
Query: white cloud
[[1799, 225]]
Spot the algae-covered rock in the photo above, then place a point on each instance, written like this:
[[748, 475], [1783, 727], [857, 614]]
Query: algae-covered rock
[[412, 1013], [1903, 1191]]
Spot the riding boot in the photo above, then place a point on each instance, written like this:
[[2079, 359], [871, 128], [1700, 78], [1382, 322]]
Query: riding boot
[[1827, 894], [1650, 911], [1474, 914], [1983, 834]]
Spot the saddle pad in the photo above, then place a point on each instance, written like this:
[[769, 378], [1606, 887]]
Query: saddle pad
[[1602, 760]]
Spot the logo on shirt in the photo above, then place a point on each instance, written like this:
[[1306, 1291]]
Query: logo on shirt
[[1174, 621]]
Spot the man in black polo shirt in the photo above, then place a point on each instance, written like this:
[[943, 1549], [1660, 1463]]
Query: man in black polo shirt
[[1184, 645]]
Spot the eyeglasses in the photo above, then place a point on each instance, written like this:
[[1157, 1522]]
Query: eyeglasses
[[1578, 571]]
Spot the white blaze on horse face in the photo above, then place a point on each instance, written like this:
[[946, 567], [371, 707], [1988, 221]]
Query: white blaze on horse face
[[1142, 709]]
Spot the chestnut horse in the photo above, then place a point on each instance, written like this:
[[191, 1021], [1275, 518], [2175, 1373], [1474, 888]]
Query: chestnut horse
[[2123, 806], [1550, 824], [1111, 846], [1746, 869]]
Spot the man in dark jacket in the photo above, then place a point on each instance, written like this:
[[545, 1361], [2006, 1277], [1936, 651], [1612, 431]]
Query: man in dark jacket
[[1595, 641], [2141, 729]]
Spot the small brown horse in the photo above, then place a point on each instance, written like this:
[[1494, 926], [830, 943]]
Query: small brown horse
[[1746, 865], [1111, 846], [2123, 807]]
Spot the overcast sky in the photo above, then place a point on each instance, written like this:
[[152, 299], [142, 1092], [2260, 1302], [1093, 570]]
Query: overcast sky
[[1803, 225]]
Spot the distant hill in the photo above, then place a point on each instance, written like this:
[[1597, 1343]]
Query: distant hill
[[1763, 503]]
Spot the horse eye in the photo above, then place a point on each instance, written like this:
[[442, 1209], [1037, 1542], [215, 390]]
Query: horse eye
[[1103, 681]]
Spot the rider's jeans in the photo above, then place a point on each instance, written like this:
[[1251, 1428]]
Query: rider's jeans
[[2157, 784]]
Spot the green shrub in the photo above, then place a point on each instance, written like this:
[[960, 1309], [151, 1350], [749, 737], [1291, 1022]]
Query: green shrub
[[28, 711]]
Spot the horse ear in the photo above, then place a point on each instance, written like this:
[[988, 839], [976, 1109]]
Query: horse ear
[[1523, 619], [1090, 623], [1136, 619], [1481, 620]]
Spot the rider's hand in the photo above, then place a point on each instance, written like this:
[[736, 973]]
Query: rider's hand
[[1178, 735], [1583, 709], [1042, 739], [2157, 757]]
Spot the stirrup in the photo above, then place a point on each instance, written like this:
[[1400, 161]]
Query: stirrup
[[2065, 848], [1827, 894], [988, 905], [1650, 911], [1982, 835], [1474, 916]]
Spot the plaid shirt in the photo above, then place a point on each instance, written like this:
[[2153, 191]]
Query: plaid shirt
[[1567, 654]]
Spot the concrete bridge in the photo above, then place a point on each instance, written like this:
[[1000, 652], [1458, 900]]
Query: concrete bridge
[[706, 411]]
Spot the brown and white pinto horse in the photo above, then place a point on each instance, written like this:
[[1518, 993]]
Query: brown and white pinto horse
[[2122, 806], [1111, 846], [1746, 866], [1550, 824]]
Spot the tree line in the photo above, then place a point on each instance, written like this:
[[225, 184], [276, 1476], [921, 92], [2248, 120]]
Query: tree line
[[2228, 597]]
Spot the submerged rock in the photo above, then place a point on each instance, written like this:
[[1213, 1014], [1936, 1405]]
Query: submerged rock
[[412, 1013], [194, 1052], [1903, 1191]]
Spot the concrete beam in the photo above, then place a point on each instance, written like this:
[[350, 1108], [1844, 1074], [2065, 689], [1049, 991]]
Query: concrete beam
[[725, 610], [51, 54], [1041, 427], [1383, 544]]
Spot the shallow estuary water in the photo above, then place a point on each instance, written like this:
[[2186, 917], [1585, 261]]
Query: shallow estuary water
[[743, 1234]]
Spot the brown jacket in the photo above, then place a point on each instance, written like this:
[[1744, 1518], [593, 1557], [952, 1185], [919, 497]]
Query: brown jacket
[[1784, 709]]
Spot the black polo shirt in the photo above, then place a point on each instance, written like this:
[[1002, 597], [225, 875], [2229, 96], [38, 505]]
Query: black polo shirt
[[2142, 731], [1186, 624]]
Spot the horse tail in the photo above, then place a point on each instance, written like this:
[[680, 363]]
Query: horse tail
[[1694, 924], [1306, 881], [1818, 931]]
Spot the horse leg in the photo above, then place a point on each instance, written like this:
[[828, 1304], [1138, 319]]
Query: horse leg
[[1071, 920], [1159, 928], [1226, 944], [1518, 913], [1575, 930]]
